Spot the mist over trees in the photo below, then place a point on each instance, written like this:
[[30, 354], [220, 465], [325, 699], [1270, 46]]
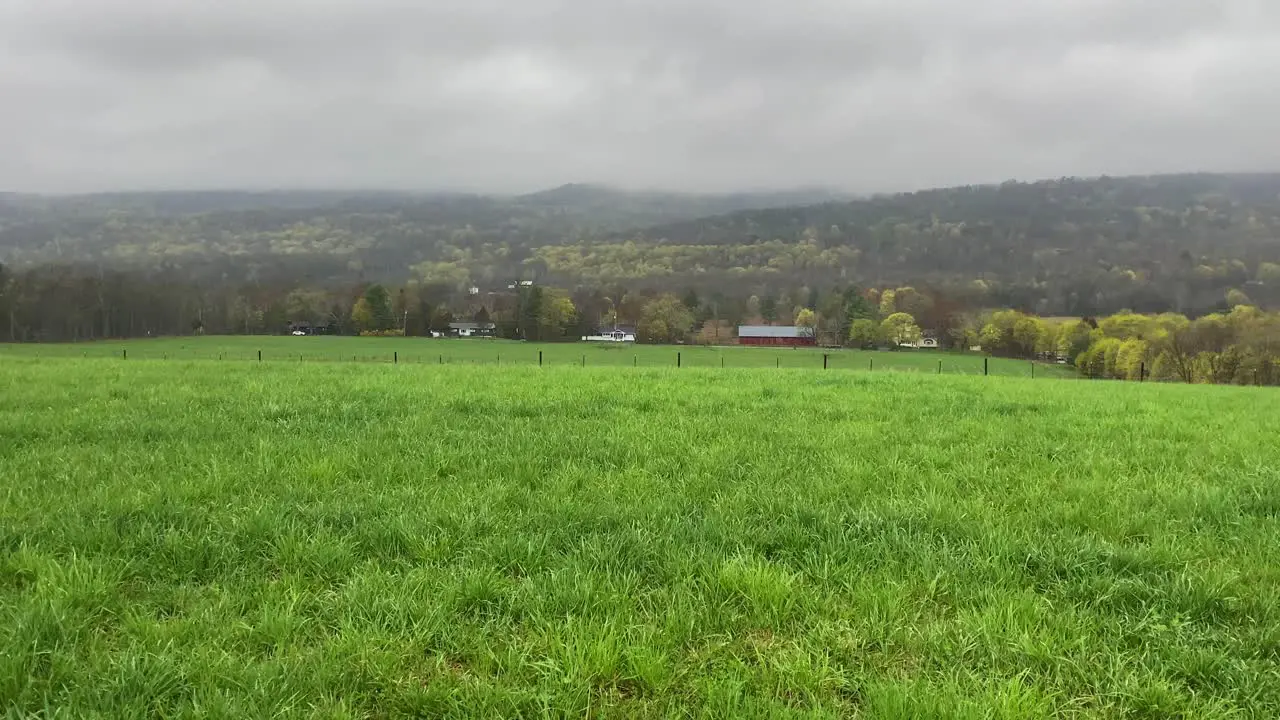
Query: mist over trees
[[99, 266]]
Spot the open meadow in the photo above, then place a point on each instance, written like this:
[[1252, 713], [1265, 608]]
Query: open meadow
[[238, 539], [414, 350]]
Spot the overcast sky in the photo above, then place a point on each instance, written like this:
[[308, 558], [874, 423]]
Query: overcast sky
[[510, 95]]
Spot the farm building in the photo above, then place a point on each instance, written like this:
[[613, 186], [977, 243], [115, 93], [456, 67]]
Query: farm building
[[613, 334], [786, 335], [928, 342], [472, 329]]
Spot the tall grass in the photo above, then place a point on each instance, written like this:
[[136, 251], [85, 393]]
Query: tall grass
[[358, 540]]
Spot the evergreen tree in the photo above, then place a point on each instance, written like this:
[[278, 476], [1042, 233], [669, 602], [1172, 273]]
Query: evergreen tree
[[379, 301], [529, 314]]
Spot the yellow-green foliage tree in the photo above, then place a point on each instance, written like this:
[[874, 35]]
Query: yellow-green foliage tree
[[900, 329], [664, 319], [1258, 339], [1166, 323], [557, 314], [1047, 342], [1237, 298], [1162, 368], [1093, 362], [1176, 352], [1030, 334], [1074, 338], [1241, 347], [888, 304], [1013, 334], [806, 320], [864, 333], [1111, 354], [362, 316], [1131, 359], [1125, 326], [1217, 358]]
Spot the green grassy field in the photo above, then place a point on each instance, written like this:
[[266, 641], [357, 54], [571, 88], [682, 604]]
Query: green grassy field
[[503, 352], [189, 538]]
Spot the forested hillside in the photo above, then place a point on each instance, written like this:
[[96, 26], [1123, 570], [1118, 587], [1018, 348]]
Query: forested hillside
[[88, 266], [1060, 247], [338, 236], [1069, 247]]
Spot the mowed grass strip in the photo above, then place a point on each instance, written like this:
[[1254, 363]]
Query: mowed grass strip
[[473, 351], [358, 540]]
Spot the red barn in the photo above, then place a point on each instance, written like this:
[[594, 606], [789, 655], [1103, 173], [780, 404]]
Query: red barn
[[784, 335]]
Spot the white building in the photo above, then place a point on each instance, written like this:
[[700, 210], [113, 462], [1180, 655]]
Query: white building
[[618, 336], [924, 343]]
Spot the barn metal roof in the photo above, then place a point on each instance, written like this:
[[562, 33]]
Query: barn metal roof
[[772, 331]]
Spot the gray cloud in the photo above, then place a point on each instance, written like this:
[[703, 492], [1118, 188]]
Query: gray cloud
[[691, 94]]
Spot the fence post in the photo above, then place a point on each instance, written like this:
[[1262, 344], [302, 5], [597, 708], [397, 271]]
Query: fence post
[[777, 362], [872, 366], [1142, 372], [442, 359], [499, 361], [984, 365], [124, 354], [259, 356], [635, 361], [939, 367], [584, 361], [539, 358], [824, 361], [721, 362], [395, 358], [677, 359], [1033, 371]]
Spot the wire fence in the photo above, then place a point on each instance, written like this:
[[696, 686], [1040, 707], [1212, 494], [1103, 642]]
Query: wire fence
[[920, 362], [516, 354]]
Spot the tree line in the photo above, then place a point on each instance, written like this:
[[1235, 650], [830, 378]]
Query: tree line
[[65, 302], [1239, 347], [73, 303], [70, 303]]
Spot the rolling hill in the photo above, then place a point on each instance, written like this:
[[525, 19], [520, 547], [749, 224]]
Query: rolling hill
[[1068, 246]]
